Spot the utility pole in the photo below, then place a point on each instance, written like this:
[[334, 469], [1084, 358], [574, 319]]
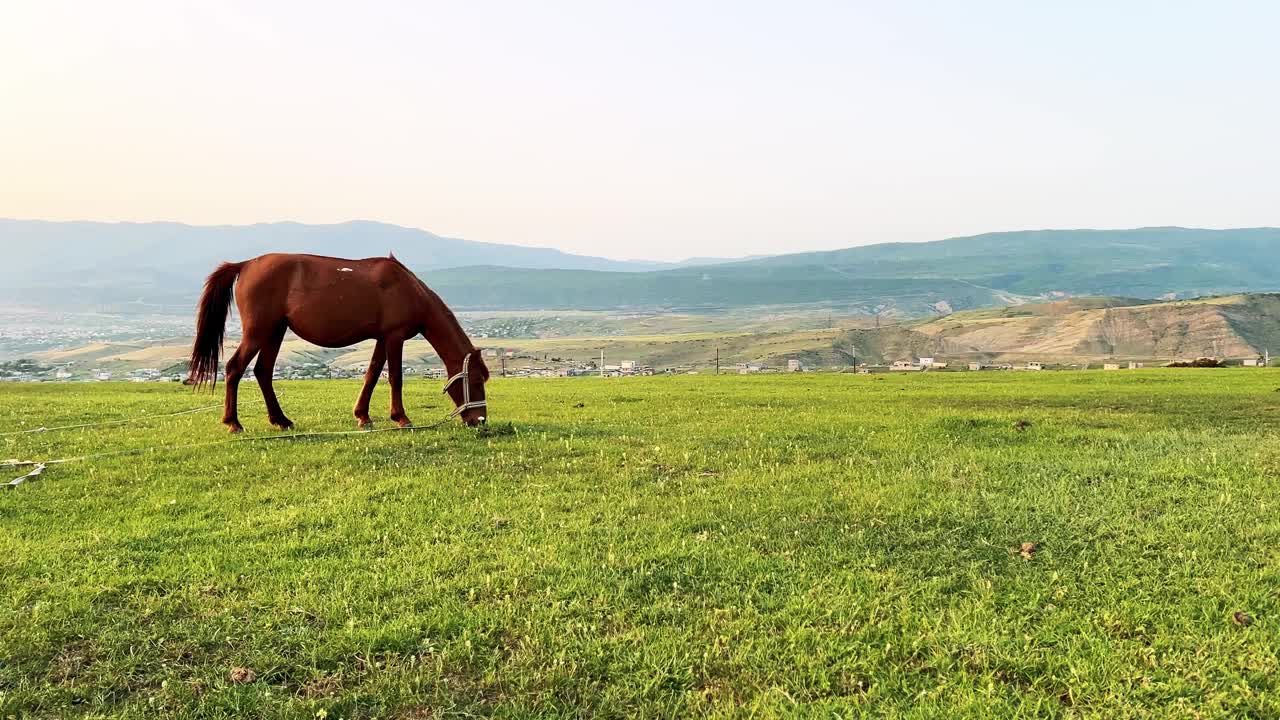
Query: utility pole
[[717, 361], [504, 364], [601, 362]]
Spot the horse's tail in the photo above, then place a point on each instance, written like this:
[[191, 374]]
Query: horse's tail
[[211, 323]]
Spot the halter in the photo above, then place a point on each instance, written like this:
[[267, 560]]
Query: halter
[[465, 377]]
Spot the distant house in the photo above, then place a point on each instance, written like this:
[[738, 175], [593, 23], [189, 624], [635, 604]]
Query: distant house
[[975, 366], [902, 365], [103, 375], [1111, 366], [490, 352], [1035, 366], [1135, 365], [1254, 362], [926, 361], [794, 365]]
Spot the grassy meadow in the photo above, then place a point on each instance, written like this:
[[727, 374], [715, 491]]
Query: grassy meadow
[[816, 545]]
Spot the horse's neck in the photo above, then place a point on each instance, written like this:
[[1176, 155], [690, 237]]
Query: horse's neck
[[446, 335]]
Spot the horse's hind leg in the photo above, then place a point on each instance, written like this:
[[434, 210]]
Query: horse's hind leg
[[236, 364], [263, 370], [361, 410]]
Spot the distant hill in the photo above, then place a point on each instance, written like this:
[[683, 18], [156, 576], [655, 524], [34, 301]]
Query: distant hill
[[915, 279], [713, 287], [163, 263], [1144, 262], [33, 245], [160, 266]]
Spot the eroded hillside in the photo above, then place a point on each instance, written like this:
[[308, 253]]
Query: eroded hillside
[[1088, 329]]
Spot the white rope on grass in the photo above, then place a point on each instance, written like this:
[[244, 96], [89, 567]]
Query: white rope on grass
[[38, 466], [42, 429]]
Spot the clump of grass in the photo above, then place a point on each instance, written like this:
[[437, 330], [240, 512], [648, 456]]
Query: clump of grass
[[496, 429]]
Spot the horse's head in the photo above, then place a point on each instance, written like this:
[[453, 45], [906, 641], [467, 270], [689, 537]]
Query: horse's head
[[467, 389]]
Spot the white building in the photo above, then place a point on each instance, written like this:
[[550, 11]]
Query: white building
[[794, 365]]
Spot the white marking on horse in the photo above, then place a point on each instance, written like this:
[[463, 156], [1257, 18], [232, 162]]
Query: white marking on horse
[[345, 270]]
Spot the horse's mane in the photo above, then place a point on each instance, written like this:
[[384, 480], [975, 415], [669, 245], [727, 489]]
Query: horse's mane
[[433, 298]]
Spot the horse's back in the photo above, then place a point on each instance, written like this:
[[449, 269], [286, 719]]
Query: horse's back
[[329, 301], [300, 271]]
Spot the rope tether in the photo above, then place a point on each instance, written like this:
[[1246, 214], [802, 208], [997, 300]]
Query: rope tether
[[38, 466], [109, 422]]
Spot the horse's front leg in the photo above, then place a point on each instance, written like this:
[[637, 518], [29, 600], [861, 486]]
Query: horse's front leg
[[395, 377], [361, 410]]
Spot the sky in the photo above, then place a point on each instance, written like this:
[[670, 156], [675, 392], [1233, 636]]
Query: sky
[[655, 129]]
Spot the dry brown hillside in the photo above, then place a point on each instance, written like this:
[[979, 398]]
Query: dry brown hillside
[[1235, 326]]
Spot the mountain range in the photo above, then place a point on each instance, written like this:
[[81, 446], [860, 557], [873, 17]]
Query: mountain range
[[162, 265]]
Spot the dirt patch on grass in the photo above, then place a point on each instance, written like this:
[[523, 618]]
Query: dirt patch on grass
[[322, 687], [70, 663]]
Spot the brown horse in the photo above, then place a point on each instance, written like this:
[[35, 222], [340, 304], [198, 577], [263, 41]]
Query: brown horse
[[334, 303]]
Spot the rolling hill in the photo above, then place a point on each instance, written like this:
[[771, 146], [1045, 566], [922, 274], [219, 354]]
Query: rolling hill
[[163, 263], [159, 266], [1143, 262], [917, 279], [33, 246], [718, 287]]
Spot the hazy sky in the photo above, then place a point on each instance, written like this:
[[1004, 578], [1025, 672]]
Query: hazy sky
[[645, 129]]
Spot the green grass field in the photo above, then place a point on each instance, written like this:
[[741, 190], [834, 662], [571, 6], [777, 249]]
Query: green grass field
[[819, 545]]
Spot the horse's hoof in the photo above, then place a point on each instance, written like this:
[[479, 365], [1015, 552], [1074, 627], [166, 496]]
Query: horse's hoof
[[286, 425], [404, 423], [235, 429]]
